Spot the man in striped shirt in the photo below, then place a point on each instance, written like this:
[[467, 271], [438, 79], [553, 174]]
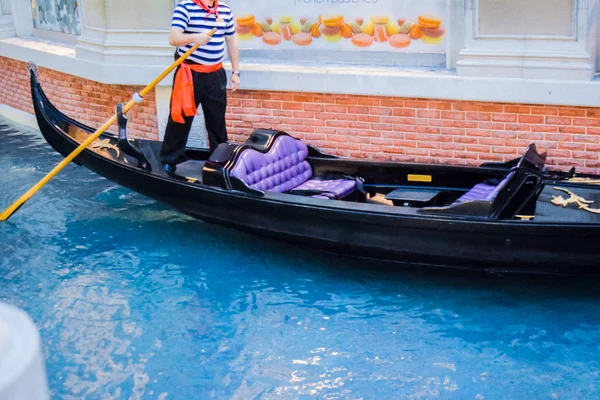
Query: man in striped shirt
[[203, 71]]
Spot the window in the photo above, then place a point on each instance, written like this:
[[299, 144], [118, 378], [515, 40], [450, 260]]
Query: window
[[60, 16], [527, 18]]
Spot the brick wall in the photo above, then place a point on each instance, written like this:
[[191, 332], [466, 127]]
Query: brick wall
[[421, 130], [87, 101], [379, 128]]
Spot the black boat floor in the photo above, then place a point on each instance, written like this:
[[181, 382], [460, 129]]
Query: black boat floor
[[191, 169]]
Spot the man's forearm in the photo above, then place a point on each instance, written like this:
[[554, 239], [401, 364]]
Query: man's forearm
[[234, 52], [180, 39]]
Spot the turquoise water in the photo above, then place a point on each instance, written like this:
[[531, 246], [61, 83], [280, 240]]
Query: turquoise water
[[136, 301]]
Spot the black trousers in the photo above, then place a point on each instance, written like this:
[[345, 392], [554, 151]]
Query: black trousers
[[210, 91]]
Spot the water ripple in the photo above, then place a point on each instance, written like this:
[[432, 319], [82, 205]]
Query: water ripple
[[136, 301]]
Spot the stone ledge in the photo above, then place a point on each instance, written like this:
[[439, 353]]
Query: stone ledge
[[62, 57], [19, 117], [326, 78], [48, 54]]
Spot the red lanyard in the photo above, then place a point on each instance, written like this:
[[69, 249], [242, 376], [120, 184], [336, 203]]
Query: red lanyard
[[203, 6]]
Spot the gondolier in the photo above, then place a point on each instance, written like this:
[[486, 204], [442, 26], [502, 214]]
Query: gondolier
[[201, 80]]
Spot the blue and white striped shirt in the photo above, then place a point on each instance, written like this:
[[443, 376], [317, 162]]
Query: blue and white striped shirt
[[193, 19]]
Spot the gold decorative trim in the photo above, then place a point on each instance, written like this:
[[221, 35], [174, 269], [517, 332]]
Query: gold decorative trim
[[589, 181], [379, 199], [573, 199], [525, 217], [419, 178], [106, 145]]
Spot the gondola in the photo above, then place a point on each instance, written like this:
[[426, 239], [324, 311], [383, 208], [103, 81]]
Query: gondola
[[512, 217]]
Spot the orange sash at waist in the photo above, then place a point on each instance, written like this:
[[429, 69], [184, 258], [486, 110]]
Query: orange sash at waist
[[182, 99]]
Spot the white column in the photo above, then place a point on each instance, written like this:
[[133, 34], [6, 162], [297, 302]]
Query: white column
[[20, 13], [124, 41], [593, 39], [535, 39], [7, 27], [22, 371], [455, 38]]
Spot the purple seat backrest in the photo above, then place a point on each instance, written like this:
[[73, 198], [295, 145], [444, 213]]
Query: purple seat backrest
[[280, 169], [483, 191], [501, 185]]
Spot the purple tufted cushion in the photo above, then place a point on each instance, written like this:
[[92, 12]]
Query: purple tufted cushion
[[281, 169], [341, 187], [483, 191]]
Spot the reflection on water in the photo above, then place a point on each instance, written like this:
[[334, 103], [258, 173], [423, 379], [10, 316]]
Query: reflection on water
[[137, 301]]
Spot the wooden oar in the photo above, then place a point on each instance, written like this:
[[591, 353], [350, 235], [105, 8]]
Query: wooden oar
[[15, 206]]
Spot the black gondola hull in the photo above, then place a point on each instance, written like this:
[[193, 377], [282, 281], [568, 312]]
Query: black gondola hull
[[357, 230]]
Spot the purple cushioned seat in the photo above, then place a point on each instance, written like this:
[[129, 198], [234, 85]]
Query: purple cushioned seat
[[341, 187], [283, 168], [483, 191]]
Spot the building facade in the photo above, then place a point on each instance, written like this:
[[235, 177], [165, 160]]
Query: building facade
[[461, 81]]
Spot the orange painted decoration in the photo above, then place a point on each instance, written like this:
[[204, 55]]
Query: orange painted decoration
[[286, 31], [245, 20], [380, 33], [257, 30], [380, 20], [334, 20], [272, 38], [362, 40], [334, 24], [433, 32], [330, 30], [429, 21], [316, 31], [415, 32], [428, 25], [244, 30], [347, 31], [399, 40], [302, 39]]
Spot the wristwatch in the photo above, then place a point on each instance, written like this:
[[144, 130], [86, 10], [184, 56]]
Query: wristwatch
[[236, 73]]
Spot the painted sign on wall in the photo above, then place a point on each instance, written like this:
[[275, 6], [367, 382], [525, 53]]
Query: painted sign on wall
[[364, 25]]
